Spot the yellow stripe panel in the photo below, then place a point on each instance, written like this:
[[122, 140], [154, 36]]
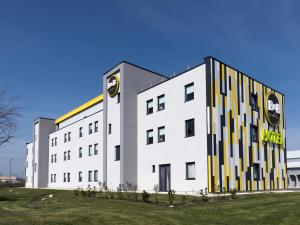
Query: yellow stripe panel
[[79, 109]]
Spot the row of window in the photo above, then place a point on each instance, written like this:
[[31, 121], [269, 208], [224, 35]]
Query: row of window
[[161, 137], [93, 150], [93, 127], [92, 176], [188, 93]]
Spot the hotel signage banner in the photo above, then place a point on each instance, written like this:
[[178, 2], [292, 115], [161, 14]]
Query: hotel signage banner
[[113, 85], [272, 109]]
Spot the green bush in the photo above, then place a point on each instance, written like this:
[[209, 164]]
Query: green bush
[[156, 190], [171, 197], [146, 196]]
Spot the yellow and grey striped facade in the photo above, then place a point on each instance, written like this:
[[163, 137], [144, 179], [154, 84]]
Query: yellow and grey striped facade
[[231, 150]]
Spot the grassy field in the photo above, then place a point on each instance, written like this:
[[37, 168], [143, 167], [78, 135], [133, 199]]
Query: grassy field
[[24, 206]]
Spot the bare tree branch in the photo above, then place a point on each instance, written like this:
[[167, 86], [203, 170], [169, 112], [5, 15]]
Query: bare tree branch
[[8, 117]]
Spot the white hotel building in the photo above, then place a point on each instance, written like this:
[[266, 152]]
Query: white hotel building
[[200, 129]]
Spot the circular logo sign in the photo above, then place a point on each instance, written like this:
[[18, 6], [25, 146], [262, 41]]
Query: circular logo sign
[[272, 109], [113, 85]]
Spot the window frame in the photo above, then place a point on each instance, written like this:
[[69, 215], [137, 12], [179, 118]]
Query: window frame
[[90, 128], [117, 153], [254, 107], [148, 111], [96, 126], [96, 149], [158, 103], [90, 150], [254, 128], [148, 138], [186, 99], [158, 134], [186, 128], [80, 132], [187, 164]]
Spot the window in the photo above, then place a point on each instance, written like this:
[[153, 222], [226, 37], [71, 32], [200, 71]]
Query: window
[[149, 137], [54, 178], [69, 136], [153, 168], [161, 134], [90, 176], [189, 128], [80, 152], [69, 177], [55, 141], [35, 165], [95, 149], [90, 150], [52, 142], [117, 148], [65, 177], [80, 132], [150, 106], [51, 178], [90, 128], [51, 158], [96, 126], [256, 171], [95, 175], [65, 156], [55, 157], [253, 102], [79, 176], [118, 98], [109, 128], [190, 171], [69, 155], [254, 133], [65, 138], [161, 102], [189, 92]]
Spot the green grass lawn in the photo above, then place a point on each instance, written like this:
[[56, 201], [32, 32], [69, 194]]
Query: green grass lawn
[[24, 206]]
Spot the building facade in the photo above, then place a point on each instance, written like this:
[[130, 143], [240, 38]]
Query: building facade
[[211, 126], [293, 168]]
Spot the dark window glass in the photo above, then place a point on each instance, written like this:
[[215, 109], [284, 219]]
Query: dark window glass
[[65, 137], [117, 148], [118, 98], [51, 158], [80, 152], [90, 176], [69, 155], [189, 92], [55, 141], [153, 168], [69, 136], [189, 128], [109, 128], [90, 150], [90, 128], [95, 175], [161, 134], [256, 171], [254, 133], [190, 171], [80, 176], [65, 177], [161, 102], [253, 102], [96, 126], [69, 177], [150, 106], [65, 156], [149, 137], [80, 132], [95, 149]]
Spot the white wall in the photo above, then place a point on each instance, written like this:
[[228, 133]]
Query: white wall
[[177, 149], [29, 165], [76, 164]]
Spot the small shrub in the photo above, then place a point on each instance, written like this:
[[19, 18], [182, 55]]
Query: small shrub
[[119, 192], [204, 195], [135, 192], [233, 193], [146, 196], [76, 192], [82, 193], [183, 199], [156, 189], [171, 197]]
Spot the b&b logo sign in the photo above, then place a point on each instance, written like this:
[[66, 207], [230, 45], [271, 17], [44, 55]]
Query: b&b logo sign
[[113, 85], [272, 109]]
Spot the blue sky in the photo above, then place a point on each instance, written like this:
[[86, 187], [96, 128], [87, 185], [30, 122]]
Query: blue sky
[[53, 53]]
